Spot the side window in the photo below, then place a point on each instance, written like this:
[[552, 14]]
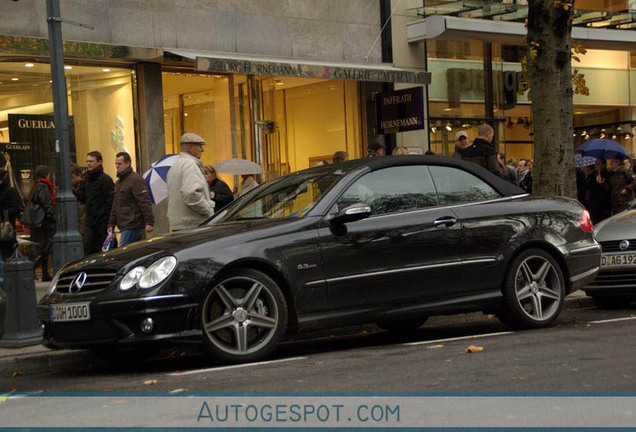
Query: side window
[[392, 190], [457, 186]]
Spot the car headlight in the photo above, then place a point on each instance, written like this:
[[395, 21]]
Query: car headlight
[[131, 278], [53, 284], [157, 272]]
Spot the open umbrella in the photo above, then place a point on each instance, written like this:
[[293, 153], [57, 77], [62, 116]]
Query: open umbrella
[[156, 178], [583, 161], [602, 149], [238, 166]]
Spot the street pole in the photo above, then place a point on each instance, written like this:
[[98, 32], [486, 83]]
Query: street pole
[[67, 243]]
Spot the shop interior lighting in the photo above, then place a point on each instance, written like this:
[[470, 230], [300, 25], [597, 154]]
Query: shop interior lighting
[[185, 114], [68, 67], [105, 70], [433, 128], [583, 133], [449, 127], [29, 65], [627, 136], [15, 79], [613, 137]]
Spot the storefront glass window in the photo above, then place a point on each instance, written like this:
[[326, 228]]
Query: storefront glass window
[[100, 109]]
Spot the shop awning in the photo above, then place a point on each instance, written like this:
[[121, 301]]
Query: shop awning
[[239, 63], [511, 33]]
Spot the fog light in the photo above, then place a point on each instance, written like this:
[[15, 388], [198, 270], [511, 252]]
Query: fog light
[[147, 325]]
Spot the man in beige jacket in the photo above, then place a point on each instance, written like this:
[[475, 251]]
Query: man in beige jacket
[[189, 201]]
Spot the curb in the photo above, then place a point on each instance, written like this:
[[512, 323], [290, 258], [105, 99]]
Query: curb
[[63, 361]]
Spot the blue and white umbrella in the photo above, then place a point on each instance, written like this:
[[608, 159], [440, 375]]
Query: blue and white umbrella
[[156, 178]]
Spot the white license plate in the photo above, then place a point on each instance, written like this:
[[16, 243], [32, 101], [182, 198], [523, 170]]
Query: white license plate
[[618, 260], [70, 312]]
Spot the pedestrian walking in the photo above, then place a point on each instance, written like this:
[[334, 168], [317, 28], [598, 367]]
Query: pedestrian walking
[[220, 192], [461, 142], [399, 150], [340, 156], [10, 209], [376, 148], [248, 183], [77, 182], [525, 175], [622, 184], [481, 151], [42, 195], [131, 211], [97, 193], [599, 195], [189, 201], [507, 173]]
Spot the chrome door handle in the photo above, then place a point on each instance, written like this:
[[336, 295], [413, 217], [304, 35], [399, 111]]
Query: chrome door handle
[[445, 221]]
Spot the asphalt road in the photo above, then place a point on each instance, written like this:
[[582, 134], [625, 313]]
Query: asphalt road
[[588, 350]]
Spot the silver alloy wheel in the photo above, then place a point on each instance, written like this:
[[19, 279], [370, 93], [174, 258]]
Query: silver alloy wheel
[[538, 288], [240, 315]]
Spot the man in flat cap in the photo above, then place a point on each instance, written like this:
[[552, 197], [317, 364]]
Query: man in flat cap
[[189, 201]]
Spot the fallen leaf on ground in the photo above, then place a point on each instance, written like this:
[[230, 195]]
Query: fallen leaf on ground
[[179, 390], [473, 349], [319, 363], [150, 382], [435, 346], [16, 373]]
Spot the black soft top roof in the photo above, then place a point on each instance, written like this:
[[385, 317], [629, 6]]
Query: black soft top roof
[[375, 163]]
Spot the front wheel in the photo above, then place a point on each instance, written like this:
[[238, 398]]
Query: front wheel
[[243, 317], [534, 290]]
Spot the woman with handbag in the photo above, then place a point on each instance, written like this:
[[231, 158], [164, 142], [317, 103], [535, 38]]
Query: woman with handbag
[[10, 208], [42, 195]]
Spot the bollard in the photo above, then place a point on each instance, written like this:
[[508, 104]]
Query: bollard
[[22, 324]]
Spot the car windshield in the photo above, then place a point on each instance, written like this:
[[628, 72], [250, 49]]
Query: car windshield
[[291, 196]]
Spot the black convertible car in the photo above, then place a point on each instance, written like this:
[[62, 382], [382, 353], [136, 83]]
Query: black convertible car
[[388, 240]]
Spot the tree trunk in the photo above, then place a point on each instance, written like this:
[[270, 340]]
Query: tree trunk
[[550, 72]]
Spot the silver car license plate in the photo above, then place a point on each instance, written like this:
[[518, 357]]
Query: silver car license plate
[[627, 260], [70, 312]]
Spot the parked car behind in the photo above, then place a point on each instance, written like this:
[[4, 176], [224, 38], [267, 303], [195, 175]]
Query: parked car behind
[[615, 284], [388, 240]]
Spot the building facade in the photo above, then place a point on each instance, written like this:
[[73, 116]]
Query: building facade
[[474, 51], [285, 83]]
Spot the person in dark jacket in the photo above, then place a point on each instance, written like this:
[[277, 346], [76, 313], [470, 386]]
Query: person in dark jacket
[[131, 210], [599, 195], [220, 192], [507, 173], [525, 175], [97, 194], [461, 142], [481, 151], [43, 194], [622, 184], [10, 208]]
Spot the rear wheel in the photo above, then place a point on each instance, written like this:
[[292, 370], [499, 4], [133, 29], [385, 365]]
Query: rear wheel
[[402, 325], [534, 290], [243, 317]]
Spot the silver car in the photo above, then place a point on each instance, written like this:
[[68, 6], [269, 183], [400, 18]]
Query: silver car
[[615, 284]]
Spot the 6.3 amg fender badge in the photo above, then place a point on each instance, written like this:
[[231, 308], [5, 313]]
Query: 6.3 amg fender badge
[[78, 283]]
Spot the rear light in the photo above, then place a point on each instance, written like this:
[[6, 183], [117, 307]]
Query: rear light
[[586, 222]]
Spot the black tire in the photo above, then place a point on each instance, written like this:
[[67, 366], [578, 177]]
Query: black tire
[[612, 302], [243, 317], [402, 325], [534, 291]]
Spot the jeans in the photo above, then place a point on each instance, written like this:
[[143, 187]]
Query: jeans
[[130, 236]]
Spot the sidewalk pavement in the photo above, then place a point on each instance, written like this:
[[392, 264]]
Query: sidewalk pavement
[[37, 359]]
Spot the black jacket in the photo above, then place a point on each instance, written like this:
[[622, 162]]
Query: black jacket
[[222, 194], [599, 196], [42, 196], [9, 202], [97, 194], [484, 154]]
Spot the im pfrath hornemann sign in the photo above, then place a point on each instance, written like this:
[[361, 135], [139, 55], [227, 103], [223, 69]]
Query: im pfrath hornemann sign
[[249, 67], [400, 111]]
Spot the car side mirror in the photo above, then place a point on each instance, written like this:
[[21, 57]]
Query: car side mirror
[[352, 213]]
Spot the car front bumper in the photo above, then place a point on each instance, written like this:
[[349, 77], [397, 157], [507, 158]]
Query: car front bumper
[[119, 322]]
